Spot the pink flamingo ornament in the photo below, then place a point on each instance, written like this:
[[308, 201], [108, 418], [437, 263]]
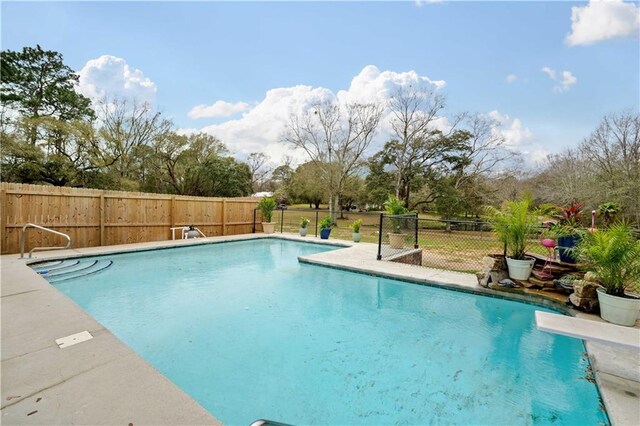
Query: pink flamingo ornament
[[550, 245], [593, 221]]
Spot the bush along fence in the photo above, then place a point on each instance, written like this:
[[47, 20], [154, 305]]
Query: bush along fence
[[93, 217]]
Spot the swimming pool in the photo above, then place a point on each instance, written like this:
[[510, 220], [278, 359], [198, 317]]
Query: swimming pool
[[250, 333]]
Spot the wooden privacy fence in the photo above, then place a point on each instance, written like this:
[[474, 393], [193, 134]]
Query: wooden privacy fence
[[94, 217]]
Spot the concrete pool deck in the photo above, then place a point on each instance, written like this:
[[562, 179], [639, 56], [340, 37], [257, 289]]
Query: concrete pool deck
[[102, 381]]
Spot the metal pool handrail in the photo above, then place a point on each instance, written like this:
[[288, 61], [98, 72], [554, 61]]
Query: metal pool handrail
[[31, 225]]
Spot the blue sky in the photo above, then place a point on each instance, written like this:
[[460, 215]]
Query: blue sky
[[199, 53]]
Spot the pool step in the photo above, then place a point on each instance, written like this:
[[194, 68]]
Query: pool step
[[71, 269], [59, 266]]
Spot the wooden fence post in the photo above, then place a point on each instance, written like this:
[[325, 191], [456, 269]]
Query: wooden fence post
[[224, 216], [3, 219], [172, 214], [102, 240]]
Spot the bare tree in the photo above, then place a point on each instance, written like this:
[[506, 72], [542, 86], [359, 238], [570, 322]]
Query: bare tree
[[613, 151], [487, 156], [414, 114], [127, 125], [334, 137], [258, 166], [605, 167]]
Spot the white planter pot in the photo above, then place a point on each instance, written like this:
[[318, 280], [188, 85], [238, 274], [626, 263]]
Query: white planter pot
[[618, 310], [356, 237], [268, 227], [303, 232], [520, 269], [396, 241]]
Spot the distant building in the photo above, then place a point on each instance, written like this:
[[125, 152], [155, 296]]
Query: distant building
[[263, 194]]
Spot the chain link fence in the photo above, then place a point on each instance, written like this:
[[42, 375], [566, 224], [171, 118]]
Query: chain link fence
[[398, 239], [457, 245], [288, 220]]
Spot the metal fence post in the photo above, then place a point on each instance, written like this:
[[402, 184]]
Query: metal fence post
[[415, 244], [316, 223], [379, 257], [254, 220], [281, 219]]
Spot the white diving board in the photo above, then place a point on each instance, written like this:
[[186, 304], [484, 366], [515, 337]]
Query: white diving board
[[602, 332]]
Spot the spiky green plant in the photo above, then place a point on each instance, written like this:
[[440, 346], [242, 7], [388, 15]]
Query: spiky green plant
[[395, 207], [514, 224], [614, 255], [266, 207], [355, 226]]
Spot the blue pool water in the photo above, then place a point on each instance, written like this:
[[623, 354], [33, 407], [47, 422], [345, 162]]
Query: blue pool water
[[250, 333]]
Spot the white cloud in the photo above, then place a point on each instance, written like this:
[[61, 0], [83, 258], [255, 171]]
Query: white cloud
[[260, 129], [420, 3], [511, 78], [218, 109], [564, 78], [537, 156], [110, 76], [603, 20], [372, 85], [511, 129]]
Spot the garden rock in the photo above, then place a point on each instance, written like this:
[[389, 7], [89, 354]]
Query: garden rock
[[494, 270], [585, 289], [587, 304]]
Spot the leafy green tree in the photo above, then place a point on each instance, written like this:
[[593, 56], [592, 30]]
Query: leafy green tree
[[309, 185], [423, 162], [36, 83], [180, 154], [281, 176], [219, 177], [352, 192], [379, 183]]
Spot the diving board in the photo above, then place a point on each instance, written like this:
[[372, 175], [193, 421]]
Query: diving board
[[602, 332]]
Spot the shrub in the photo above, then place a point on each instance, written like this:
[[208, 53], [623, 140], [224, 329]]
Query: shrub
[[514, 224], [355, 226], [614, 255]]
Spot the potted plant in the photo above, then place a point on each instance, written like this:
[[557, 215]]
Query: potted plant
[[515, 223], [325, 227], [355, 227], [395, 208], [303, 226], [613, 254], [266, 207], [567, 231]]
